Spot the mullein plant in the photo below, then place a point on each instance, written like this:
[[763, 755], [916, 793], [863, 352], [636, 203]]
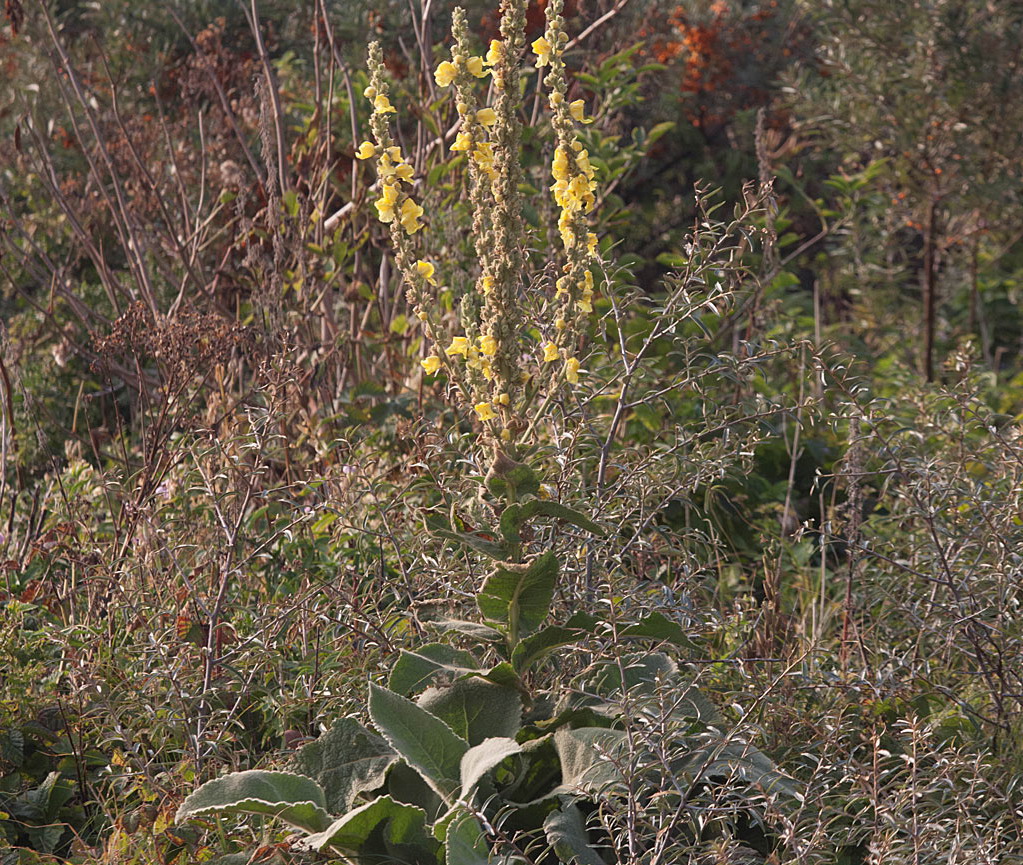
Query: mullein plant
[[492, 353]]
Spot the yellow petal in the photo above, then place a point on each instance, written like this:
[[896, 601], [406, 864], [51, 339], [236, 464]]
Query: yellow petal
[[366, 150], [550, 352], [431, 364], [426, 270], [486, 117], [445, 74], [485, 411]]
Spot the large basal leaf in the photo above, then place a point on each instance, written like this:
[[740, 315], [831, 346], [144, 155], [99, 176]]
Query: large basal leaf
[[520, 599], [346, 760], [464, 841], [588, 757], [295, 799], [381, 830], [633, 672], [475, 708], [414, 671], [736, 760], [566, 833], [480, 759], [423, 740]]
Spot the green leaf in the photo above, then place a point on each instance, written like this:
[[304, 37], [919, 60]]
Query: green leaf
[[413, 671], [464, 841], [520, 598], [470, 629], [657, 626], [382, 828], [657, 132], [566, 833], [475, 708], [517, 514], [480, 759], [473, 542], [639, 671], [542, 643], [737, 760], [588, 756], [295, 799], [423, 740], [346, 760]]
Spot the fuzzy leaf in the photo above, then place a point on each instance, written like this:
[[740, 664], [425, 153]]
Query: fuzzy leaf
[[346, 760], [413, 671], [481, 759], [423, 740], [470, 629], [519, 513], [464, 841], [657, 626], [587, 759], [520, 599], [295, 799], [382, 829], [566, 833], [535, 647], [475, 709]]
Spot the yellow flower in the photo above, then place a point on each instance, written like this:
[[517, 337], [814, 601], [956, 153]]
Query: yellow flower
[[404, 172], [542, 50], [550, 352], [462, 143], [486, 117], [495, 53], [410, 213], [370, 92], [591, 243], [586, 301], [426, 269], [366, 150], [487, 369], [559, 168], [385, 204], [504, 399], [459, 345], [483, 156], [572, 370], [485, 411], [382, 105], [487, 285], [576, 110], [445, 74], [431, 364], [560, 323], [475, 66], [488, 345]]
